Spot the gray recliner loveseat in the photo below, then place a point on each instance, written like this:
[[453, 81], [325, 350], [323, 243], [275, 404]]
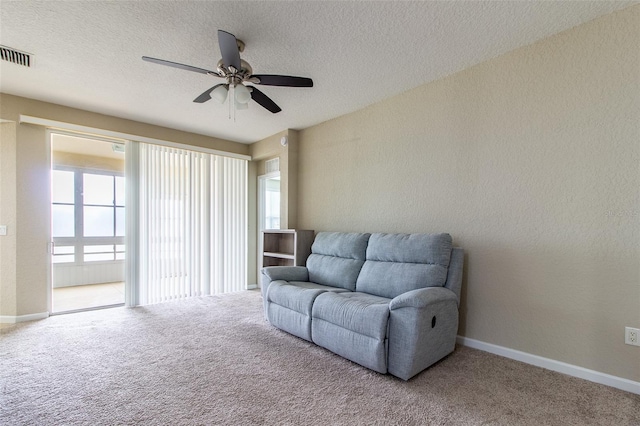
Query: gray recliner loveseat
[[388, 302]]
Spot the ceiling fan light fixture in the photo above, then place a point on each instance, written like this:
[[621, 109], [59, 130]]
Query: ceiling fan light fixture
[[220, 93], [243, 95], [240, 105]]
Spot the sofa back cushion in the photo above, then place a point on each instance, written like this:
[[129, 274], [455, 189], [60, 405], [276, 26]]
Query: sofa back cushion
[[336, 258], [397, 263]]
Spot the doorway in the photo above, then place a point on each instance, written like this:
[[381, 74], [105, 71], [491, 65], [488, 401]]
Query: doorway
[[87, 222]]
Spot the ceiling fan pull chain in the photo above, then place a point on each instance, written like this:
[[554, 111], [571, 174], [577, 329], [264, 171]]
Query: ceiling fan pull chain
[[230, 97]]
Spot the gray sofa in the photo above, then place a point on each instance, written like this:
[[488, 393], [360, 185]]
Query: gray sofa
[[388, 302]]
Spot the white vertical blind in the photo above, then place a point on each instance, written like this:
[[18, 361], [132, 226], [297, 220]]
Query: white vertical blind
[[192, 224]]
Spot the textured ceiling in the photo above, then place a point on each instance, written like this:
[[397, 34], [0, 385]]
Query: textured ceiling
[[87, 55]]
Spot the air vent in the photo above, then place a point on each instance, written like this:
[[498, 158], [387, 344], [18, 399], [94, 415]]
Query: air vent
[[272, 165], [12, 55]]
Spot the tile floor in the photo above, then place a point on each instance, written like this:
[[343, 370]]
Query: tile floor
[[87, 296]]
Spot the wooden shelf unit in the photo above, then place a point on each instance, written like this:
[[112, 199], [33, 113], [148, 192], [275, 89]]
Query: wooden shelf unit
[[286, 247]]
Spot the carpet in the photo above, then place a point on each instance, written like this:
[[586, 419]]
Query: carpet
[[214, 360]]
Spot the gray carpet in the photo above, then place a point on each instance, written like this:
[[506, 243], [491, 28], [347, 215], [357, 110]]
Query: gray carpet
[[214, 360]]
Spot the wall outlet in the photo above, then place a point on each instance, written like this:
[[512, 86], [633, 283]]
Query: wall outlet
[[3, 229], [632, 336]]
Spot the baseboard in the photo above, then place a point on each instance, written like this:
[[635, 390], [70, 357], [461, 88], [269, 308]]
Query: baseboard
[[252, 286], [551, 364], [8, 319]]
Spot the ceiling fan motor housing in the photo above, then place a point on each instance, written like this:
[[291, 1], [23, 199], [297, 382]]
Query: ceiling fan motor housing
[[234, 76]]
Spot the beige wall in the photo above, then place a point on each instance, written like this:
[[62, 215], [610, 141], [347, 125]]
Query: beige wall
[[34, 220], [25, 195], [531, 162], [8, 303]]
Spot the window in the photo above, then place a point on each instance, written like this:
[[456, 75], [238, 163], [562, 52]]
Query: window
[[103, 205], [87, 216], [272, 203], [63, 209]]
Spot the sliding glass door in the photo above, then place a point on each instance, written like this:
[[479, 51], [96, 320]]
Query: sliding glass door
[[87, 222], [190, 232]]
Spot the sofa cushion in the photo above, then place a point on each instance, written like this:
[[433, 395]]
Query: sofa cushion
[[363, 313], [350, 245], [288, 305], [296, 298], [352, 325], [336, 258], [397, 263]]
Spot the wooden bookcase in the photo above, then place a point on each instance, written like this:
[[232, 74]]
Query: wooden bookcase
[[286, 247]]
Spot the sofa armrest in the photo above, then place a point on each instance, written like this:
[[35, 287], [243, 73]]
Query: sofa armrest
[[286, 273], [422, 297], [423, 324]]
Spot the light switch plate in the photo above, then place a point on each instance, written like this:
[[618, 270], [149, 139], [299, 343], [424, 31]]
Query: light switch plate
[[3, 229]]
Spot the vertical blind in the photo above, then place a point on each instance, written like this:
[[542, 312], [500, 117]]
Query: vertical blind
[[192, 221]]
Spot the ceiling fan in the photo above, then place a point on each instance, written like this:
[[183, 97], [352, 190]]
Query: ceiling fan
[[237, 73]]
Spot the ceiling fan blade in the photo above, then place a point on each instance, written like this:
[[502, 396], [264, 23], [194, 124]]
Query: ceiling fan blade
[[177, 65], [229, 49], [283, 80], [264, 100], [204, 97]]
